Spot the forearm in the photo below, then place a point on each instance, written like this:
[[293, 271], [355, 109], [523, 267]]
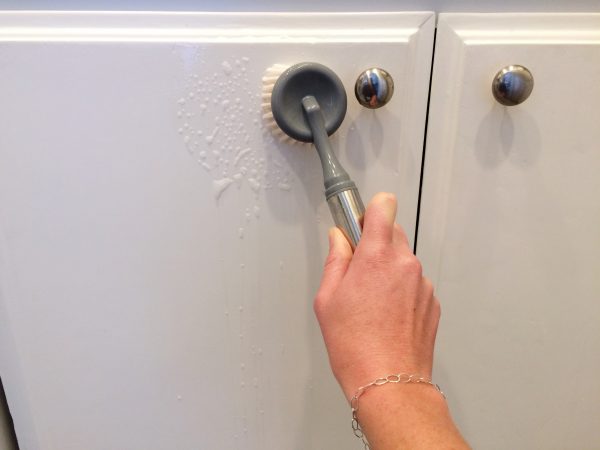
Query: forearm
[[408, 416]]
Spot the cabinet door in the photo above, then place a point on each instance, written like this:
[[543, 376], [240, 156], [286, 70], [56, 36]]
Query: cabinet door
[[159, 248], [510, 229]]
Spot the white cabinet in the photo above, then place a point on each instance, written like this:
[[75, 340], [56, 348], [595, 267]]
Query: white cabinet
[[159, 250], [510, 229]]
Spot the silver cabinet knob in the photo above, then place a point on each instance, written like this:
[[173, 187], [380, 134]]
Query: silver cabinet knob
[[512, 85], [374, 88]]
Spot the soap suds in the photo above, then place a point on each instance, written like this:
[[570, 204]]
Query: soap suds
[[240, 155], [219, 186], [218, 117], [254, 184]]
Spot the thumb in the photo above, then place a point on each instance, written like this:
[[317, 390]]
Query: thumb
[[336, 264]]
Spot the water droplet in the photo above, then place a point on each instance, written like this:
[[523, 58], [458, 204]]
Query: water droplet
[[243, 266], [179, 397], [256, 212], [181, 101], [280, 265], [226, 313], [242, 366], [241, 233], [211, 138], [219, 186], [284, 186], [227, 69], [240, 155], [254, 184]]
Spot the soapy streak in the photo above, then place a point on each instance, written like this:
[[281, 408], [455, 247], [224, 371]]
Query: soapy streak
[[240, 155], [219, 186]]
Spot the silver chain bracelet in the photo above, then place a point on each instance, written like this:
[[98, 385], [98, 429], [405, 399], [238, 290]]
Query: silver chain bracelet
[[397, 378]]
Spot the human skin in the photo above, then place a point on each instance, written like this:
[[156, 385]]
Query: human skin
[[379, 316]]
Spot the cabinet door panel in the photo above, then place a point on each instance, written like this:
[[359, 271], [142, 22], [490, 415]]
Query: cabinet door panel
[[159, 249], [510, 229]]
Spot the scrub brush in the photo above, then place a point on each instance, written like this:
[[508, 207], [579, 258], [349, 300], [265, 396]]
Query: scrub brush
[[307, 102]]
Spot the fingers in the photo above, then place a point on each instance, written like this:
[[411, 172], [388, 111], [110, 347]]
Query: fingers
[[380, 216], [336, 265], [400, 236]]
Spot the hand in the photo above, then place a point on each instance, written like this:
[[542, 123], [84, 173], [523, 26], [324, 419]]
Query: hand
[[377, 312]]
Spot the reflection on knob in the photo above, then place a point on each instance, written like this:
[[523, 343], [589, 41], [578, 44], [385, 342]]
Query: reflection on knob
[[512, 85], [374, 88]]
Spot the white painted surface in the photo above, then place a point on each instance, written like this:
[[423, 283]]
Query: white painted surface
[[509, 230], [156, 276], [310, 5]]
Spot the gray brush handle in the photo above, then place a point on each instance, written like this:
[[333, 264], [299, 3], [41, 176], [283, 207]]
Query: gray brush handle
[[341, 193]]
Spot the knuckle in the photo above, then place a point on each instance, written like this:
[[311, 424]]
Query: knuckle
[[412, 265], [319, 304], [377, 252], [331, 260]]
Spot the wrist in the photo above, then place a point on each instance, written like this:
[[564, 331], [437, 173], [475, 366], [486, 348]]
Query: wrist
[[399, 411]]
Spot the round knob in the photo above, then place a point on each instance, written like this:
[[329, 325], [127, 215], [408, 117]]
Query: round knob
[[512, 85], [374, 88]]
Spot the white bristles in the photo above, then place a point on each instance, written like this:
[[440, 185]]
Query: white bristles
[[269, 79]]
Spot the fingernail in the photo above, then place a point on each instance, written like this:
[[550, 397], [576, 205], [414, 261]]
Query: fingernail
[[389, 205]]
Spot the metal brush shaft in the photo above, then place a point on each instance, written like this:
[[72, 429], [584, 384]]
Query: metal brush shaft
[[348, 211], [341, 193]]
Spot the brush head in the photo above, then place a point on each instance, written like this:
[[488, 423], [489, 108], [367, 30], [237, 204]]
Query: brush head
[[299, 81]]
